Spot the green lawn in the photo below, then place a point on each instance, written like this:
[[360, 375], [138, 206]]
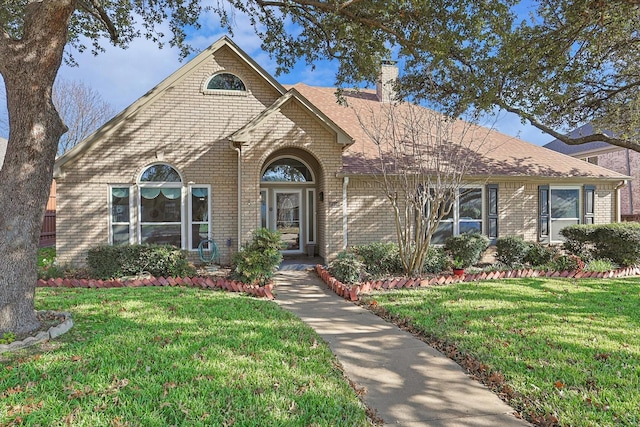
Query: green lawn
[[175, 356], [570, 350]]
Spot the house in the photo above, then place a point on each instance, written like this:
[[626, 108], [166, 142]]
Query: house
[[220, 148], [48, 231], [622, 160]]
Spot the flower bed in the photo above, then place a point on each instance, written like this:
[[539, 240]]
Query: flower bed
[[197, 282], [352, 292]]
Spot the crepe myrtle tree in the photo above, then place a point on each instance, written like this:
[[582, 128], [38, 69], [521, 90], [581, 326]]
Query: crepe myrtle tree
[[424, 159], [574, 61]]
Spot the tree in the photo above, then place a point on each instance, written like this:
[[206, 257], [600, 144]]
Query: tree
[[424, 160], [460, 54], [82, 109]]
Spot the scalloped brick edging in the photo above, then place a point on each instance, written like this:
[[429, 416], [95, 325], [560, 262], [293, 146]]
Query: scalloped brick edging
[[352, 293], [52, 333], [196, 282]]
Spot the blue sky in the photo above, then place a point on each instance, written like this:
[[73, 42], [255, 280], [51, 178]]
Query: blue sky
[[123, 75]]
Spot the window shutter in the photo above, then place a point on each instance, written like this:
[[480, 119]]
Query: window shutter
[[492, 212], [543, 213], [589, 197]]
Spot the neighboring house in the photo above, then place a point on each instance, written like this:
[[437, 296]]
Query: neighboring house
[[622, 160], [220, 148], [48, 232]]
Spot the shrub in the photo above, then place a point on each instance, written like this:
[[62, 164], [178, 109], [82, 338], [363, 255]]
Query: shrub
[[258, 260], [106, 262], [539, 254], [566, 263], [579, 240], [435, 261], [347, 267], [467, 248], [380, 259], [619, 242], [511, 251], [600, 265]]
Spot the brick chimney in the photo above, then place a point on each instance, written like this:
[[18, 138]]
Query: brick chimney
[[388, 76]]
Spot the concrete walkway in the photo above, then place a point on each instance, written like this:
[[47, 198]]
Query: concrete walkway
[[405, 381]]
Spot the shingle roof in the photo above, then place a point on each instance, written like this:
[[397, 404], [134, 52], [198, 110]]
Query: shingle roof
[[501, 155], [570, 150]]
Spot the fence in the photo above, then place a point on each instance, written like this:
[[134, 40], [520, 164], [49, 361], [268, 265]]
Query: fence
[[630, 218], [48, 232]]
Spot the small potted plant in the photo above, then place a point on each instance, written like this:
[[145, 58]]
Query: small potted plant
[[458, 267]]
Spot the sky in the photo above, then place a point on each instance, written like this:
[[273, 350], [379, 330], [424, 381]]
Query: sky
[[121, 76]]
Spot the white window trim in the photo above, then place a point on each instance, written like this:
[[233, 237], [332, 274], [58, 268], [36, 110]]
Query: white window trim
[[264, 169], [456, 211], [579, 189], [311, 213], [264, 192], [190, 214], [300, 217], [225, 92], [131, 214]]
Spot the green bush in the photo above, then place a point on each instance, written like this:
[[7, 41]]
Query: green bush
[[466, 248], [566, 263], [106, 262], [511, 251], [579, 240], [600, 265], [618, 242], [258, 260], [380, 259], [539, 254], [435, 261], [347, 267]]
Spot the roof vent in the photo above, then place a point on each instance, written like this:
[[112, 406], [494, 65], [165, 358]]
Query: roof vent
[[386, 81]]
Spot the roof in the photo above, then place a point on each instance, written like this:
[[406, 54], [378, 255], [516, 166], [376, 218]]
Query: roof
[[575, 150], [3, 150], [497, 155]]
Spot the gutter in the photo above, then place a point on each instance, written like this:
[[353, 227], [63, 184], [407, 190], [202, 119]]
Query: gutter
[[617, 190], [239, 151]]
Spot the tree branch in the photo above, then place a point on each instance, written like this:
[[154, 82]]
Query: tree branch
[[93, 8]]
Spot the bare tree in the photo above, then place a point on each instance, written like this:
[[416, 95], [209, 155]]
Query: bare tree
[[424, 158], [82, 109]]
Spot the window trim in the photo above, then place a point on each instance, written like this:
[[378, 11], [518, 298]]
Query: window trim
[[548, 238], [455, 211], [162, 184], [275, 159], [190, 222], [131, 211], [311, 214], [225, 92]]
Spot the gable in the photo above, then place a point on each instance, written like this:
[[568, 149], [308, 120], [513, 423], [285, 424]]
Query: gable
[[169, 99]]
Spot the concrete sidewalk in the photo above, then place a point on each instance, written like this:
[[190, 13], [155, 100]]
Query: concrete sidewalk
[[406, 382]]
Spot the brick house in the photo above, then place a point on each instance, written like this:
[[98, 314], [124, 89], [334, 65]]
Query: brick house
[[618, 159], [220, 148]]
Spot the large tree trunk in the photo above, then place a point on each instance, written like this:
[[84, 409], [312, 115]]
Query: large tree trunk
[[29, 67]]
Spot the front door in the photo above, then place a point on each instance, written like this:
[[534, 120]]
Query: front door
[[288, 218]]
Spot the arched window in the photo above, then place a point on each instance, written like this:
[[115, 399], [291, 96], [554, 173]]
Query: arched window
[[160, 208], [287, 170], [226, 81]]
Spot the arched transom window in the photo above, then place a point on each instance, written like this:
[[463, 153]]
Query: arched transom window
[[287, 170], [226, 81]]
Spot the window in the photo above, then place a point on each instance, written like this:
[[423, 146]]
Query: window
[[160, 204], [465, 216], [200, 214], [589, 204], [559, 207], [120, 208], [226, 82], [287, 170], [492, 211]]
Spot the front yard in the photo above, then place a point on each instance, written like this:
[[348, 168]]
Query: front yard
[[175, 356], [565, 352]]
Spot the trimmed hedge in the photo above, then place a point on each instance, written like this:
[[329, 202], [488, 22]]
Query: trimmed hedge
[[380, 259], [511, 251], [107, 262], [258, 260], [466, 248], [618, 242]]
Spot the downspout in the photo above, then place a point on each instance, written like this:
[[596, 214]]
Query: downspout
[[239, 151], [345, 216], [617, 189]]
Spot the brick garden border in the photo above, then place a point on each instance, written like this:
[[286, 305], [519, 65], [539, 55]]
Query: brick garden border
[[352, 292], [195, 282]]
